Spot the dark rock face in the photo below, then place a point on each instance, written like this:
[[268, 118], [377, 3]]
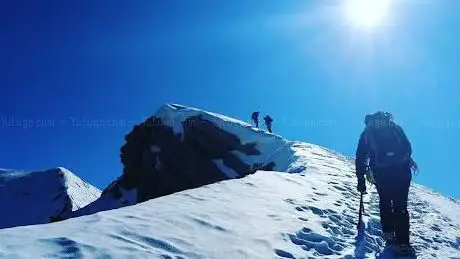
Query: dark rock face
[[157, 162]]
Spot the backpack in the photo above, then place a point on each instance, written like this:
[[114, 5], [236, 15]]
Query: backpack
[[387, 142]]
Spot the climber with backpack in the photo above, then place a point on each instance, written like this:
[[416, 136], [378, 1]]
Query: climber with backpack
[[268, 122], [384, 153], [255, 118]]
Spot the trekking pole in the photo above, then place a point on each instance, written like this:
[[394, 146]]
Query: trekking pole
[[361, 211]]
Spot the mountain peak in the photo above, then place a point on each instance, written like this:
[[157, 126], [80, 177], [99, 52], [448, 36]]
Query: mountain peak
[[35, 197]]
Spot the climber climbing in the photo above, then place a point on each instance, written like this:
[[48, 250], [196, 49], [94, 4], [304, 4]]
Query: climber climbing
[[268, 122], [255, 118], [385, 150]]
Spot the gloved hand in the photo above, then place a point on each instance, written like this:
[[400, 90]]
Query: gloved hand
[[361, 185]]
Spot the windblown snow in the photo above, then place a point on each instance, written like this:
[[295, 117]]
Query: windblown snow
[[28, 198], [309, 211]]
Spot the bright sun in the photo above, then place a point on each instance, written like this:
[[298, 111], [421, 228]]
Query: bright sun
[[366, 13]]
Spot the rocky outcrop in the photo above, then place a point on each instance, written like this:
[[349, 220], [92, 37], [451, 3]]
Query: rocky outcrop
[[158, 162]]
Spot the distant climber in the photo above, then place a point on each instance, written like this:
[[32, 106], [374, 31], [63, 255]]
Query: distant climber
[[385, 151], [268, 122], [255, 118]]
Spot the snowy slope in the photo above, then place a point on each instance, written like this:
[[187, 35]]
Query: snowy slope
[[38, 197], [310, 213], [107, 202]]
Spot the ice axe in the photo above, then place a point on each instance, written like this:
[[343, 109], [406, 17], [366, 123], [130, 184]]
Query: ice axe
[[361, 211]]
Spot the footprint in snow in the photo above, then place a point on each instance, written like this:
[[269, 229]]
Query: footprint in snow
[[310, 240], [320, 194], [339, 233], [68, 247], [436, 228], [342, 189], [283, 254]]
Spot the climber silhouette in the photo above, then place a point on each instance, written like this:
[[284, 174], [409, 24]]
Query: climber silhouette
[[384, 156], [255, 118], [268, 122]]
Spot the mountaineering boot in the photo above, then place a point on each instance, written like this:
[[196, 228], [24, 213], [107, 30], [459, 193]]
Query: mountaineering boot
[[404, 250], [390, 238]]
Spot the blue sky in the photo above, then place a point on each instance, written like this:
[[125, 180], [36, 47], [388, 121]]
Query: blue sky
[[66, 64]]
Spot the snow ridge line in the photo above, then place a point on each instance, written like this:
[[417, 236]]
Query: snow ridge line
[[272, 155]]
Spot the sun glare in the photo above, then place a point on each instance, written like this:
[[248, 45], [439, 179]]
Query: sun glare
[[366, 13]]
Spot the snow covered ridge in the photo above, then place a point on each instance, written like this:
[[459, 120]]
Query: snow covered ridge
[[305, 207], [309, 213], [38, 197], [181, 148]]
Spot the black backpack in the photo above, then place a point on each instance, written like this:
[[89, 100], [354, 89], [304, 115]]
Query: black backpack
[[387, 142], [268, 119]]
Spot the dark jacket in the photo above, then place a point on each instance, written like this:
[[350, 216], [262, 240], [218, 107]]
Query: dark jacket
[[365, 156]]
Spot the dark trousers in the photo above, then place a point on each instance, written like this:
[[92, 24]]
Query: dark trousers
[[269, 128], [393, 187]]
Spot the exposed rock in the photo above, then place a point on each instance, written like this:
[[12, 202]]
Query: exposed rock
[[157, 162]]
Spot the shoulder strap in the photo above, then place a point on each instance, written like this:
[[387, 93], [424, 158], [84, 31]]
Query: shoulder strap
[[397, 132], [368, 139]]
